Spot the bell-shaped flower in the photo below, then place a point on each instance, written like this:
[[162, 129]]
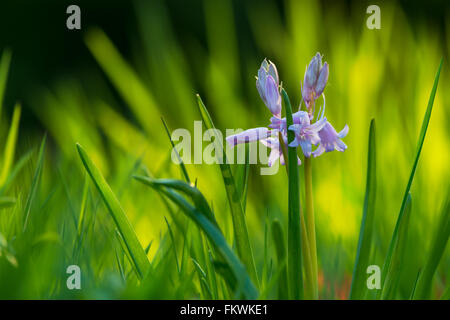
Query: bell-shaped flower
[[315, 80], [267, 84], [276, 150], [331, 140], [306, 134], [249, 135]]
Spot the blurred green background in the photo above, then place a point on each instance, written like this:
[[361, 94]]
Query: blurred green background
[[108, 84]]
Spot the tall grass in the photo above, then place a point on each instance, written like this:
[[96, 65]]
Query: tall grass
[[142, 227]]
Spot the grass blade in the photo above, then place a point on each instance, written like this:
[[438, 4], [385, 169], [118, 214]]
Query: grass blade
[[5, 63], [34, 183], [359, 286], [196, 196], [294, 231], [280, 249], [234, 198], [183, 167], [15, 171], [422, 134], [442, 234], [172, 238], [393, 274], [10, 146], [241, 176], [125, 79], [234, 266], [124, 226]]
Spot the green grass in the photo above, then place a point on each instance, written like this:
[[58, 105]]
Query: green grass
[[141, 227], [359, 288]]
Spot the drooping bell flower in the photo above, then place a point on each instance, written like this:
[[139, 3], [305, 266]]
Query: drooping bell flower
[[315, 80], [306, 134], [267, 83], [331, 140]]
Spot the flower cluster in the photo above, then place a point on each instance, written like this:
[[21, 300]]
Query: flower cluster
[[319, 133]]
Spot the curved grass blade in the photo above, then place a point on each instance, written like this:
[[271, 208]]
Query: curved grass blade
[[359, 287], [422, 134], [234, 198], [34, 183], [239, 277], [294, 231], [439, 243], [124, 226], [10, 146], [196, 196]]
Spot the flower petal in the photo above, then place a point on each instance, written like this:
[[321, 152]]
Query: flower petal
[[343, 132], [273, 96], [322, 80], [248, 136]]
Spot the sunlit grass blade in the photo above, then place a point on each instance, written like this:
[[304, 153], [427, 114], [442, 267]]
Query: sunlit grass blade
[[10, 147], [393, 273], [125, 228], [15, 171], [5, 62], [125, 79], [240, 277], [441, 235], [34, 183], [359, 286], [422, 134], [234, 199], [294, 231]]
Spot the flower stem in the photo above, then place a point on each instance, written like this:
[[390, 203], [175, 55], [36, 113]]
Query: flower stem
[[310, 224], [308, 282]]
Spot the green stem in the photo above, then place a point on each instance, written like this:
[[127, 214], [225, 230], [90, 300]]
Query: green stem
[[310, 224], [307, 265], [294, 228]]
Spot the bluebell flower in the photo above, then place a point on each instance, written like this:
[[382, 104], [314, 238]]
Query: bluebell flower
[[314, 82], [331, 140], [306, 134], [267, 84]]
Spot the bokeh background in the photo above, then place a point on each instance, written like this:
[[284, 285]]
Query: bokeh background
[[133, 62]]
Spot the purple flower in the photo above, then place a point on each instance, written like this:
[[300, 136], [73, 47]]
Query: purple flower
[[249, 135], [306, 134], [330, 140], [267, 85], [276, 152], [316, 77]]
